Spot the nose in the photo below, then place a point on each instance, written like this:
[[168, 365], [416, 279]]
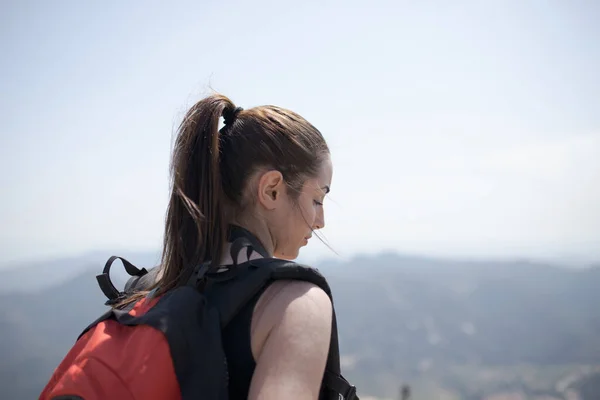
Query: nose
[[319, 219]]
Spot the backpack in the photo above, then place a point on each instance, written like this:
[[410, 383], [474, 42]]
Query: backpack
[[169, 347]]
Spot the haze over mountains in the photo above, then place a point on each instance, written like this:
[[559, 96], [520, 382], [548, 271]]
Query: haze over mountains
[[450, 329]]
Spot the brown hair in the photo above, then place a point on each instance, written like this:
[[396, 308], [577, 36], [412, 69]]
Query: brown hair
[[210, 170]]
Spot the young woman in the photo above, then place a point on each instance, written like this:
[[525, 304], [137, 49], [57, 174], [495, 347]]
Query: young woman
[[268, 171], [262, 178]]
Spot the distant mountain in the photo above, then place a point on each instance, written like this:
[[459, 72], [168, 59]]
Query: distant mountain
[[449, 328], [413, 317], [34, 276], [37, 330]]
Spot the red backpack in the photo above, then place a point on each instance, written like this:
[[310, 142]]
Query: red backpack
[[169, 347]]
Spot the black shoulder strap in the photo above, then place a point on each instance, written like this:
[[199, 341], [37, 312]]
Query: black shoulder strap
[[106, 285], [247, 279]]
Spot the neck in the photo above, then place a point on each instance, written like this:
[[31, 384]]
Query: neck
[[259, 230]]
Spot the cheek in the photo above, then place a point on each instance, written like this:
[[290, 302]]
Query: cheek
[[309, 212], [300, 219]]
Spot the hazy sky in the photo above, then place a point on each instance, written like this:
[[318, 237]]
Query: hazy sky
[[467, 128]]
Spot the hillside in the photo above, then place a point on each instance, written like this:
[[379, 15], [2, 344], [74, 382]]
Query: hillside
[[410, 319], [457, 329]]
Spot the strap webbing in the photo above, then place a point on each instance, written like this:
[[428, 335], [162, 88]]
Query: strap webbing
[[106, 285]]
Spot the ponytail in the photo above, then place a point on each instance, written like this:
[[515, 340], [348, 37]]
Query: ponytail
[[196, 225]]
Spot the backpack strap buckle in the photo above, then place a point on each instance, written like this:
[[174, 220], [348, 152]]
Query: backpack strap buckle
[[339, 385], [197, 279], [351, 394]]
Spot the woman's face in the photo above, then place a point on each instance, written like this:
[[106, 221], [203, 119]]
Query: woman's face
[[292, 221]]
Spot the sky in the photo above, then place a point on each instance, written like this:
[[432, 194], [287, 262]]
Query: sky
[[457, 129]]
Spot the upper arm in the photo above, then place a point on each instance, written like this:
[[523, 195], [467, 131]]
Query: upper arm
[[292, 358]]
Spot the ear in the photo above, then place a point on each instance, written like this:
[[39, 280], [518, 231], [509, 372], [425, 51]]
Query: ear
[[270, 189]]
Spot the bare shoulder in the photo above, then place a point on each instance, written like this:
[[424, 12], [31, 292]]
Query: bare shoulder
[[296, 296], [290, 304], [291, 331]]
